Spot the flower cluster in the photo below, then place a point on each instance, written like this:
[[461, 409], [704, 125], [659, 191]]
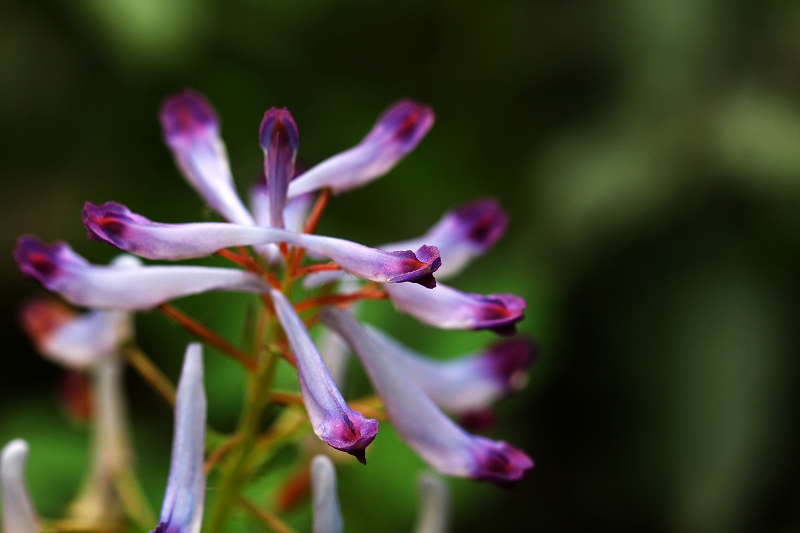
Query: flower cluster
[[278, 256]]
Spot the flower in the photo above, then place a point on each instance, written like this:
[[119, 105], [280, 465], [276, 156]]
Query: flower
[[19, 515], [327, 515]]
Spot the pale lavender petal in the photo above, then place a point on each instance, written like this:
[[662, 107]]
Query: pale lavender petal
[[191, 130], [437, 439], [89, 338], [294, 214], [467, 383], [182, 510], [447, 308], [332, 420], [19, 515], [61, 270], [116, 224], [279, 140], [462, 234], [397, 132], [327, 515], [434, 503]]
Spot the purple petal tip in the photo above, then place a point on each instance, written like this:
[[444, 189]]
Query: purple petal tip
[[186, 114], [419, 267], [499, 462], [107, 222], [485, 221], [44, 262], [278, 128], [510, 360], [500, 313], [407, 121]]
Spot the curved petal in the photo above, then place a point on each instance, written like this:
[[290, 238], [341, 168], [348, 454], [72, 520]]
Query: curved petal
[[396, 133], [467, 383], [462, 234], [61, 270], [327, 515], [437, 439], [19, 515], [182, 510], [279, 140], [116, 224], [332, 420], [191, 130], [447, 308], [434, 503]]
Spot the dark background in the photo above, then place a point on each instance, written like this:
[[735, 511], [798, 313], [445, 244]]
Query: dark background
[[647, 150]]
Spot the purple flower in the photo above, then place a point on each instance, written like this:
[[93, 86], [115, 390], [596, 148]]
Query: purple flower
[[332, 420], [397, 132], [447, 308], [191, 130], [279, 140], [327, 515], [437, 439], [19, 516], [182, 510], [467, 383], [116, 224], [61, 270]]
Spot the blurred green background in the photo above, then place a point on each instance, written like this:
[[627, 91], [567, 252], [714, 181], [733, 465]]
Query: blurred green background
[[647, 150]]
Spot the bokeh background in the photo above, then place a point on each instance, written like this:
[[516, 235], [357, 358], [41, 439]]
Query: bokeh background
[[647, 150]]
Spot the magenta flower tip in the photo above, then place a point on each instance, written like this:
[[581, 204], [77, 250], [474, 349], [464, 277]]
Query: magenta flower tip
[[500, 313], [109, 222], [484, 220], [418, 267], [510, 360], [498, 462], [186, 115], [45, 263], [406, 121], [278, 128], [351, 433]]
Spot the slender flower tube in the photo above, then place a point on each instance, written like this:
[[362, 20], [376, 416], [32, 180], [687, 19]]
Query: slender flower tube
[[327, 515], [460, 235], [396, 133], [191, 130], [467, 383], [182, 510], [279, 140], [19, 515], [448, 308], [332, 420], [294, 214], [63, 271], [116, 224], [437, 439], [434, 503], [76, 341]]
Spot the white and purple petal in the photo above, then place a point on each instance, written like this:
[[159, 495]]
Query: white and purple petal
[[332, 420], [467, 383], [279, 140], [448, 308], [437, 439], [191, 130], [182, 510], [116, 224], [396, 133], [19, 516], [61, 270], [327, 514]]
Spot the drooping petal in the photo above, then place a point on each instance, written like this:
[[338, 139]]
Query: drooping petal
[[447, 308], [467, 383], [19, 515], [279, 140], [191, 130], [434, 503], [332, 420], [327, 515], [116, 224], [462, 234], [79, 342], [182, 510], [397, 132], [61, 270], [429, 432]]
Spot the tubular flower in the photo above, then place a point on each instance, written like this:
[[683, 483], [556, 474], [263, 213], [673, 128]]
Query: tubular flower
[[61, 270], [182, 510], [396, 133], [437, 439], [19, 515], [467, 383], [333, 421], [434, 503], [116, 224], [327, 515], [191, 130], [279, 140]]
